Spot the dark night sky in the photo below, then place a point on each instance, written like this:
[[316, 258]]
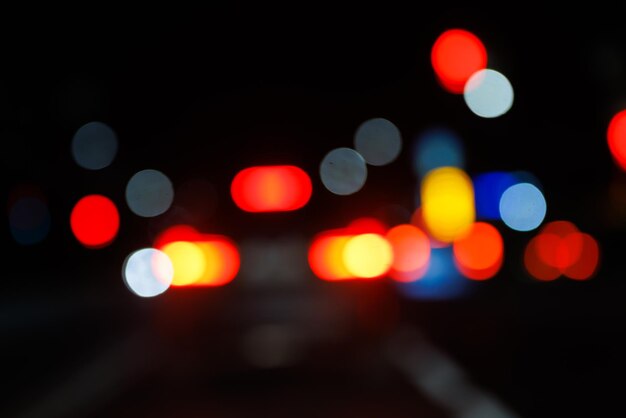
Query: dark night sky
[[205, 93]]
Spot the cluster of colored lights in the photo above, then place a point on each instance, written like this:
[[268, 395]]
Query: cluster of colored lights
[[560, 249], [453, 230], [459, 59], [359, 251]]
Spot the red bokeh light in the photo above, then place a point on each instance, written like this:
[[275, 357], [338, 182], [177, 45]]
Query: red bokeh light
[[278, 188], [411, 250], [95, 221], [478, 254], [561, 249], [455, 56], [616, 137]]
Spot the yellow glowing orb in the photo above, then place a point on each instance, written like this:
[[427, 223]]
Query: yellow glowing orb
[[447, 203], [367, 255], [188, 261]]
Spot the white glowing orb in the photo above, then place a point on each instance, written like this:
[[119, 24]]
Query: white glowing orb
[[488, 94], [378, 141], [343, 171], [522, 207], [149, 193], [94, 146], [148, 272]]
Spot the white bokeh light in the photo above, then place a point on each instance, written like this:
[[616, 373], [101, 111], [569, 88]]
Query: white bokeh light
[[149, 193], [94, 146], [488, 93], [343, 171], [378, 141], [148, 272], [522, 207]]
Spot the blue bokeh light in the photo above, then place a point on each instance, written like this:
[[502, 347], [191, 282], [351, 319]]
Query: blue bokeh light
[[523, 207], [442, 280], [437, 147], [29, 220], [488, 189]]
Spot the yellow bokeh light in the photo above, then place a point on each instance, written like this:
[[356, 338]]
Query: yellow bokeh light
[[448, 203], [188, 260], [212, 260], [367, 255], [334, 257], [221, 262]]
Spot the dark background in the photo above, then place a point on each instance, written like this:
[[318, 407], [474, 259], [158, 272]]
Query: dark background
[[201, 94]]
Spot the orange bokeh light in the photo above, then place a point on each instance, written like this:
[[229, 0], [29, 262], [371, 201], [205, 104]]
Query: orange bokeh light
[[479, 253], [222, 260], [326, 255], [411, 250], [480, 274], [455, 56], [358, 251], [278, 188], [220, 257]]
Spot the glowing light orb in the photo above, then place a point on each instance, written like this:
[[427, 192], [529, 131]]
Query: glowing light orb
[[479, 253], [522, 207], [488, 190], [455, 56], [149, 193], [447, 203], [367, 255], [199, 259], [535, 266], [411, 252], [95, 221], [559, 244], [343, 171], [222, 261], [94, 146], [616, 138], [587, 264], [326, 256], [561, 249], [147, 272], [488, 94], [188, 261], [378, 141], [271, 188]]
